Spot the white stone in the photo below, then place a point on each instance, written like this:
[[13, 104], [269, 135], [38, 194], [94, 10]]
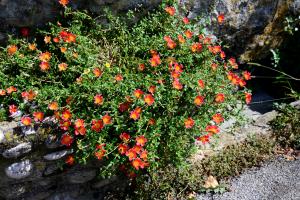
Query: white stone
[[18, 150], [19, 170]]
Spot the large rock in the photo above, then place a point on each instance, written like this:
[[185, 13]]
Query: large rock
[[251, 27]]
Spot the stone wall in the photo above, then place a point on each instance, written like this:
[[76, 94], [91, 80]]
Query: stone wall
[[32, 168]]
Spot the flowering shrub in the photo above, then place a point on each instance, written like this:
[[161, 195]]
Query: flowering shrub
[[135, 97]]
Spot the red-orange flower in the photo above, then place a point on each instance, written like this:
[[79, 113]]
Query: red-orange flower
[[64, 125], [124, 106], [62, 66], [66, 115], [70, 160], [56, 39], [181, 39], [151, 121], [38, 116], [100, 154], [71, 38], [53, 106], [248, 97], [149, 99], [12, 49], [196, 47], [212, 129], [29, 96], [233, 63], [66, 140], [98, 99], [199, 100], [155, 60], [119, 77], [138, 163], [141, 67], [218, 118], [220, 98], [106, 119], [45, 57], [138, 93], [188, 34], [201, 84], [144, 155], [125, 137], [189, 123], [11, 89], [13, 109], [204, 139], [2, 92], [80, 130], [177, 85], [171, 10], [45, 66], [97, 72], [79, 123], [135, 114], [137, 148], [97, 125], [47, 39], [186, 20], [222, 55], [26, 121], [221, 18], [247, 75], [131, 154], [214, 66], [141, 140], [122, 149], [152, 89]]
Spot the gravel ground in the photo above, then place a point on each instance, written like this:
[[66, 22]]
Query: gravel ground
[[275, 180]]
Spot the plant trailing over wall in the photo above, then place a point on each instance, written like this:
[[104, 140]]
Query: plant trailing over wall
[[135, 97]]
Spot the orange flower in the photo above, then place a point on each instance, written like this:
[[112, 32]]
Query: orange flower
[[141, 140], [32, 47], [64, 125], [62, 66], [12, 49], [141, 67], [53, 106], [144, 155], [152, 89], [207, 40], [171, 10], [181, 39], [171, 44], [98, 99], [38, 116], [222, 55], [178, 68], [215, 49], [248, 97], [199, 100], [177, 85], [242, 82], [63, 2], [189, 123], [155, 60], [188, 34], [70, 160], [26, 121], [66, 115], [44, 66], [212, 129], [149, 99], [29, 96], [106, 119], [214, 66], [56, 39], [122, 149], [11, 89], [137, 163], [56, 115], [71, 38], [247, 75], [63, 49], [97, 72], [221, 18], [119, 77], [80, 130], [2, 92], [220, 98], [186, 20], [196, 47], [125, 137], [47, 39], [131, 154], [13, 109], [201, 84], [218, 118], [100, 154], [138, 93], [45, 57], [79, 123], [232, 62], [204, 139], [135, 114], [66, 140], [97, 125]]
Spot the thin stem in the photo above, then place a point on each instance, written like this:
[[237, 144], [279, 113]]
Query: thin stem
[[285, 74]]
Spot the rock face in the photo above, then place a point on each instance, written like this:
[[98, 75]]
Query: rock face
[[251, 27]]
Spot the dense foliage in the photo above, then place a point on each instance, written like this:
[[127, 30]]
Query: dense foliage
[[134, 96]]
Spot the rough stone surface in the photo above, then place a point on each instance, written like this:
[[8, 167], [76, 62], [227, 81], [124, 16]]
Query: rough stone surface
[[19, 170], [251, 27], [57, 155], [18, 150], [276, 180]]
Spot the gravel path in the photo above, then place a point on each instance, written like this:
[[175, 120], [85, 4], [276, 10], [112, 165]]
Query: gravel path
[[275, 180]]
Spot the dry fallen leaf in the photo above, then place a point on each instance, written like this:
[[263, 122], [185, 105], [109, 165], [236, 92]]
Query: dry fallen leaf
[[211, 182]]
